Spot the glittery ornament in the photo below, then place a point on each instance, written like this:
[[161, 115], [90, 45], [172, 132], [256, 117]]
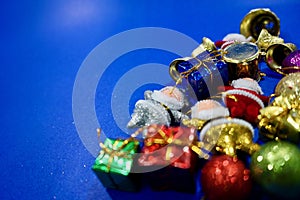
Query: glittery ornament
[[289, 85], [225, 177], [114, 164], [159, 107], [276, 167], [281, 119], [291, 63], [228, 135], [167, 157]]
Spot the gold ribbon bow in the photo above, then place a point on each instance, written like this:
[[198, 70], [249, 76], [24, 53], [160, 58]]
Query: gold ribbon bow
[[165, 140]]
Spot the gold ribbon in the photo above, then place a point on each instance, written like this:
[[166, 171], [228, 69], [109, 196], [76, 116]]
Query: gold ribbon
[[117, 151], [201, 63], [165, 140]]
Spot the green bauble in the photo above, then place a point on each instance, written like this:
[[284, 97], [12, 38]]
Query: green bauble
[[276, 167]]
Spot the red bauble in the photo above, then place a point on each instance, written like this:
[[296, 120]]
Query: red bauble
[[225, 177]]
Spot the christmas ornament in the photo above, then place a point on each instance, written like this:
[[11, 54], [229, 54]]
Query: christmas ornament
[[204, 71], [291, 63], [242, 60], [228, 135], [281, 119], [167, 156], [289, 85], [276, 167], [174, 138], [244, 99], [258, 19], [274, 50], [159, 107], [203, 111], [276, 53], [114, 163], [225, 177]]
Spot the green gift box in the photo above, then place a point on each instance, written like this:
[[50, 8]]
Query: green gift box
[[114, 163]]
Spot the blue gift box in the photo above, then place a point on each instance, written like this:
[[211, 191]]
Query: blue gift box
[[205, 73]]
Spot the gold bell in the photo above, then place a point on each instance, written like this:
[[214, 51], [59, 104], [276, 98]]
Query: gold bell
[[206, 45], [276, 53], [258, 19]]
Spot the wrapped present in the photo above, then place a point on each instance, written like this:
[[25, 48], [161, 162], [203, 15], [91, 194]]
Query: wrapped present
[[168, 158], [114, 163], [204, 71]]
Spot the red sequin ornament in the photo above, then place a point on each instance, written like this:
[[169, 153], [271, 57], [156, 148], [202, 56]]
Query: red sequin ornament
[[225, 177]]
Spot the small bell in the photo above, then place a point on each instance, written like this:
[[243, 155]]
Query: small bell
[[276, 53], [258, 19]]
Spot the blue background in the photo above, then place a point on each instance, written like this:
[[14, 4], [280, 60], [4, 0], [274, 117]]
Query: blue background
[[43, 44]]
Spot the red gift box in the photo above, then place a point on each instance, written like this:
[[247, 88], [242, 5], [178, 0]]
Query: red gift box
[[168, 157]]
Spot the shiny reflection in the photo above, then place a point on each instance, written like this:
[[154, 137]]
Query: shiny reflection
[[71, 14], [259, 158], [77, 12]]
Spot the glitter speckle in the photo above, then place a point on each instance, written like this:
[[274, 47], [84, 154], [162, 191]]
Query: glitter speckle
[[259, 158], [186, 149], [270, 166], [286, 157], [225, 163]]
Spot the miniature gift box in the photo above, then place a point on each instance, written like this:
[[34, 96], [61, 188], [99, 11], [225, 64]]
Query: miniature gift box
[[204, 71], [114, 163], [168, 159]]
